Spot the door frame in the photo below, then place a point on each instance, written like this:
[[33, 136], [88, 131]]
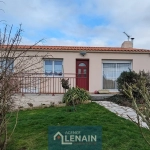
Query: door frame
[[78, 59]]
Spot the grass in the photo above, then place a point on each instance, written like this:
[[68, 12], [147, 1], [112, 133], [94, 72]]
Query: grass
[[117, 133]]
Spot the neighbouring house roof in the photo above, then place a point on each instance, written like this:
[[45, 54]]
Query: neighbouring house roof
[[81, 48]]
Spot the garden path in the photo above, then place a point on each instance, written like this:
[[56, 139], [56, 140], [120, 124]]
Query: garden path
[[122, 111]]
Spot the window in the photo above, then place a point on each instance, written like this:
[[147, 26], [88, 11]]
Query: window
[[6, 64], [111, 71], [82, 65], [53, 67]]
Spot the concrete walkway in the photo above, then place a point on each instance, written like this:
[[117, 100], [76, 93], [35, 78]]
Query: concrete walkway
[[121, 111]]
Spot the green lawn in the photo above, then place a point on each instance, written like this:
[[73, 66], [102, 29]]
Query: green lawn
[[117, 133]]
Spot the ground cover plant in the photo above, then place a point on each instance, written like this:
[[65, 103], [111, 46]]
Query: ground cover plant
[[32, 129]]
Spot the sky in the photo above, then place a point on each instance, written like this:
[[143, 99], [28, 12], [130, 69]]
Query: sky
[[78, 22]]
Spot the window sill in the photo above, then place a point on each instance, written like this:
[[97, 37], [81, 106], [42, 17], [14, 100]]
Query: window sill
[[55, 76]]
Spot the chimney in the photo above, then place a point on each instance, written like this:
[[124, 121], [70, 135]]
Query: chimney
[[127, 44]]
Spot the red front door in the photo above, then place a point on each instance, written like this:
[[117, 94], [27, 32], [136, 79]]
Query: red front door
[[82, 74]]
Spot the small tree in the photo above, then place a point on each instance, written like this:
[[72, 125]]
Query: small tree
[[14, 64]]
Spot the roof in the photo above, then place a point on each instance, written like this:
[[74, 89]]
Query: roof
[[81, 48]]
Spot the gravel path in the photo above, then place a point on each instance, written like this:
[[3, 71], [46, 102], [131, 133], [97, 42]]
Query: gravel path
[[121, 111]]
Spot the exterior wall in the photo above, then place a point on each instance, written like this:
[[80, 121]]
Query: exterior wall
[[139, 62], [37, 100]]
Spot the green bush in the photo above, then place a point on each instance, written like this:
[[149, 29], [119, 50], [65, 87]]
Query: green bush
[[133, 79], [130, 77], [75, 96]]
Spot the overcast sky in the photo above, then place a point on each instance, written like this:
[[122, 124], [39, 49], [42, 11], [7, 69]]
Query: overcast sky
[[79, 22]]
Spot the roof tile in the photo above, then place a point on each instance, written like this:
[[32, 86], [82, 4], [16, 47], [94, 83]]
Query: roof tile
[[82, 48]]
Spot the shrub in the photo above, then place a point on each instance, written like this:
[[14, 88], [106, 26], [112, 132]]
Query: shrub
[[75, 96], [65, 83], [129, 77], [132, 78]]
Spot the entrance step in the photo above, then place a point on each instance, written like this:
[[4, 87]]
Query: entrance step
[[100, 97]]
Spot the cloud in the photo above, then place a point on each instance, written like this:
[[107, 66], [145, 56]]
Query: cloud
[[64, 42], [86, 22], [37, 13]]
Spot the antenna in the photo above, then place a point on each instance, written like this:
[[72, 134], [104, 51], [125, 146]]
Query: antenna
[[127, 35]]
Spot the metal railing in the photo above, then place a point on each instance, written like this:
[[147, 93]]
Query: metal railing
[[40, 83]]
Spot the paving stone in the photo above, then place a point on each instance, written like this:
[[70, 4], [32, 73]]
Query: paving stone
[[125, 112]]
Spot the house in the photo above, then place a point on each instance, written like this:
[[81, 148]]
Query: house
[[91, 68]]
